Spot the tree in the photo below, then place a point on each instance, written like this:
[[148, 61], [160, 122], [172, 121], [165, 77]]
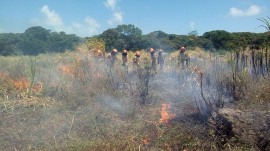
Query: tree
[[192, 38], [205, 43], [220, 38], [37, 32], [266, 23], [131, 36], [159, 39], [94, 44], [129, 30], [60, 42], [193, 33], [9, 44], [112, 37]]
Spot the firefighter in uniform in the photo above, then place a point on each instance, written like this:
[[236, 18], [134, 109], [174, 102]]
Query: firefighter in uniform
[[182, 56], [161, 59], [136, 59], [124, 57], [153, 60], [113, 57]]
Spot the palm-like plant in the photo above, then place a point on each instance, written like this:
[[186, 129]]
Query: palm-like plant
[[266, 22]]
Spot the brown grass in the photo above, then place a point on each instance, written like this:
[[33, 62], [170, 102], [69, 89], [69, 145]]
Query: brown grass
[[85, 105]]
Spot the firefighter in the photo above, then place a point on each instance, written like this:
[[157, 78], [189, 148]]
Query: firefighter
[[187, 59], [161, 58], [136, 59], [99, 55], [182, 56], [153, 60], [112, 57], [124, 57]]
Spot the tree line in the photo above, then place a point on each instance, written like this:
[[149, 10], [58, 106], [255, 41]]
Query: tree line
[[36, 40]]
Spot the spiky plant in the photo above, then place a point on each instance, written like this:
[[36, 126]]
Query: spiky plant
[[266, 22], [31, 73]]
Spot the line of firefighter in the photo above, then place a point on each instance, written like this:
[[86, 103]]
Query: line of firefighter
[[183, 59]]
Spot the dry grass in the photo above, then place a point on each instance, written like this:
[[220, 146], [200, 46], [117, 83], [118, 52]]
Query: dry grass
[[85, 105]]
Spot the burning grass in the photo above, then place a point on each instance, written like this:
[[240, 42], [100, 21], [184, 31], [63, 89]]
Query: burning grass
[[83, 104], [166, 114]]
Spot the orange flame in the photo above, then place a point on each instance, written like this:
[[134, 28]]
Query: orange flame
[[20, 84], [67, 70], [146, 141], [166, 116]]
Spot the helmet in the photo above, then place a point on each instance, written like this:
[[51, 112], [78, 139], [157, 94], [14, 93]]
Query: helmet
[[182, 48], [124, 51], [160, 50], [137, 53], [151, 49], [114, 50]]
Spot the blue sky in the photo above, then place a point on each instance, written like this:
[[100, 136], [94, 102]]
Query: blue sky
[[91, 17]]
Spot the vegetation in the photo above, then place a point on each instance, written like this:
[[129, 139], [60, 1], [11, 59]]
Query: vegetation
[[77, 101], [83, 104], [37, 40]]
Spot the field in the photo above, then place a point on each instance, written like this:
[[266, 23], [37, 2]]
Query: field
[[73, 101]]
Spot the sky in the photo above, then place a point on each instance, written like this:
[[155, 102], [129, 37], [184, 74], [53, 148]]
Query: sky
[[86, 18]]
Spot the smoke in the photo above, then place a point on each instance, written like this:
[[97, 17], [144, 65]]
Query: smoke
[[94, 101], [112, 103], [186, 90], [192, 25]]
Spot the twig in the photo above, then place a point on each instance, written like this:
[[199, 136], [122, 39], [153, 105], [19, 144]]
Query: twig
[[5, 105], [55, 144], [71, 126]]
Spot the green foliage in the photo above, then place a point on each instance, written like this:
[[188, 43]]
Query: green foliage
[[123, 37], [221, 39], [266, 22], [36, 40], [95, 43], [112, 39], [9, 43], [31, 73]]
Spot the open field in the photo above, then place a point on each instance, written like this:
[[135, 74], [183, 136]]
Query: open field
[[73, 101]]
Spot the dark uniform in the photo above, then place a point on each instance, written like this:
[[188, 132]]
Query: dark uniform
[[113, 57]]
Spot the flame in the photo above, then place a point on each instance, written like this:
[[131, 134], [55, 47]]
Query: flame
[[146, 141], [38, 87], [20, 84], [77, 69], [166, 116], [67, 70]]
